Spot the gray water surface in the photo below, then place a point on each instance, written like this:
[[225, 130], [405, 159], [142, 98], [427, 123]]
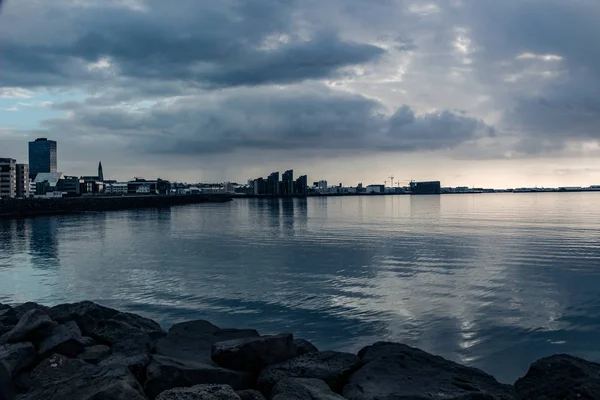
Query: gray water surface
[[493, 281]]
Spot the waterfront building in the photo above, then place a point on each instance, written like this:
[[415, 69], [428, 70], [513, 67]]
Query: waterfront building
[[375, 189], [259, 186], [47, 184], [8, 178], [42, 157], [273, 184], [118, 188], [431, 187], [23, 183], [287, 182], [301, 185], [100, 172]]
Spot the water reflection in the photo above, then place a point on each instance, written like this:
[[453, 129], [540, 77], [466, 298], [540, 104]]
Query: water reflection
[[493, 281]]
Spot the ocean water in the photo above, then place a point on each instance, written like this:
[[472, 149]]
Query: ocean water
[[494, 281]]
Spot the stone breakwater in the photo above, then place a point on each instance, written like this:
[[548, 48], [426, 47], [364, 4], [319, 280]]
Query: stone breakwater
[[87, 351]]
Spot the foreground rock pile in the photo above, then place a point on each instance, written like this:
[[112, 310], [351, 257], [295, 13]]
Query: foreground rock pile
[[90, 352]]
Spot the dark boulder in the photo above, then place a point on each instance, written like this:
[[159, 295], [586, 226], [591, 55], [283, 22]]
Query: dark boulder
[[63, 339], [200, 392], [250, 394], [255, 353], [111, 331], [303, 346], [88, 341], [165, 373], [94, 354], [303, 389], [16, 357], [131, 353], [145, 325], [7, 390], [194, 340], [32, 325], [59, 378], [331, 366], [86, 314], [397, 371], [22, 309], [8, 317], [560, 377]]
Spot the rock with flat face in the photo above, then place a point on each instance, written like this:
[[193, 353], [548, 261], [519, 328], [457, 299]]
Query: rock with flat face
[[254, 353], [31, 326], [250, 394], [397, 371], [331, 366], [59, 378], [194, 340], [303, 389], [303, 346], [165, 373], [8, 317], [94, 354], [17, 356], [200, 392], [560, 377], [63, 339]]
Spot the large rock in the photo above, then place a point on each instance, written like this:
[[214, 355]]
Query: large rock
[[94, 354], [59, 378], [145, 325], [560, 377], [133, 354], [194, 340], [331, 366], [255, 353], [22, 309], [16, 357], [86, 314], [7, 390], [64, 339], [303, 346], [165, 373], [397, 371], [303, 389], [250, 394], [200, 392], [32, 325], [111, 331], [8, 317]]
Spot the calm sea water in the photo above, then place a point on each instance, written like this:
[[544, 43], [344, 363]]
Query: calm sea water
[[493, 281]]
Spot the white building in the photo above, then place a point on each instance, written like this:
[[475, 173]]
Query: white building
[[115, 188], [8, 178]]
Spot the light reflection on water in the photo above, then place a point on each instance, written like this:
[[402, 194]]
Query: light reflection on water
[[495, 281]]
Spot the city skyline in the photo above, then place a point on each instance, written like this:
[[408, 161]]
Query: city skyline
[[473, 92]]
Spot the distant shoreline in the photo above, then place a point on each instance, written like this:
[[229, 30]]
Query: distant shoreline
[[25, 208]]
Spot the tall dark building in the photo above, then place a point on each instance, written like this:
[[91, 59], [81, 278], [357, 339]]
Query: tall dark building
[[273, 184], [287, 180], [301, 185], [433, 187], [42, 156], [100, 173]]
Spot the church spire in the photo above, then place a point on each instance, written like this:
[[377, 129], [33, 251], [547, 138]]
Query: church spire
[[100, 173]]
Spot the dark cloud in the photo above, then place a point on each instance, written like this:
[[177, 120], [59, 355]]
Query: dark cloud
[[274, 120], [236, 43]]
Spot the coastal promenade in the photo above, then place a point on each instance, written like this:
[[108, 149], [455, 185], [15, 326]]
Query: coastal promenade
[[87, 351]]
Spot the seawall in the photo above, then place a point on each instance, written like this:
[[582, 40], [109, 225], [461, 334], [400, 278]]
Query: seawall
[[87, 351], [19, 208]]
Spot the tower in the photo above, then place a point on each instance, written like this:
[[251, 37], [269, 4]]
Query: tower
[[42, 156], [100, 173]]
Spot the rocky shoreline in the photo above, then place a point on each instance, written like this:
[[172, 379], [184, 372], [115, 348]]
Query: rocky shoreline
[[90, 352]]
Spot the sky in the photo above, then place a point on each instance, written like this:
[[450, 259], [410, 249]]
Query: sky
[[482, 93]]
